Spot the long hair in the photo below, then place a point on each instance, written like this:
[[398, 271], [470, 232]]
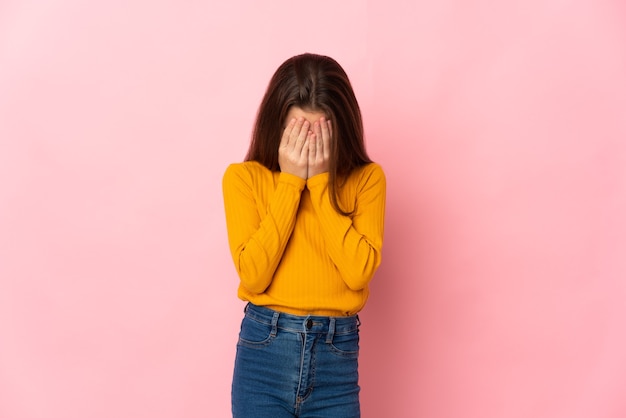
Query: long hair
[[316, 83]]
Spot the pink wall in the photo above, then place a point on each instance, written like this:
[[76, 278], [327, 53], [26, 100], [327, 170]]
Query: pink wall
[[502, 129]]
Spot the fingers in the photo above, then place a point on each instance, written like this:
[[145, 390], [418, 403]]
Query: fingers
[[305, 147], [303, 133], [319, 140], [292, 131], [284, 140], [319, 148], [312, 143], [293, 152], [295, 134], [326, 133]]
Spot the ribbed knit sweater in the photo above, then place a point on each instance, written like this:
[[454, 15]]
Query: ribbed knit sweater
[[293, 252]]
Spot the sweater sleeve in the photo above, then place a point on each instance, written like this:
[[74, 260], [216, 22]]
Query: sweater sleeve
[[354, 243], [257, 235]]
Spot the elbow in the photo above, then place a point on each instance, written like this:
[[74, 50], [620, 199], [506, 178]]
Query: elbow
[[359, 271], [253, 274], [253, 287], [253, 282], [359, 281]]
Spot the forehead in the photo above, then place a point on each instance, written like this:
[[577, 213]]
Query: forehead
[[308, 114]]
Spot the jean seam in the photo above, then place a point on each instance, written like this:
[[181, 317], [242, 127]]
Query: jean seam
[[258, 344]]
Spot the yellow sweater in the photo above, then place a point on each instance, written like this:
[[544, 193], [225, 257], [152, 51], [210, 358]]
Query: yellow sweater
[[293, 252]]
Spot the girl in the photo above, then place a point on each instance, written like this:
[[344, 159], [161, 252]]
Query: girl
[[305, 215]]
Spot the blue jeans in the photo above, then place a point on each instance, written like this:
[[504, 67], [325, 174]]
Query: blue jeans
[[296, 366]]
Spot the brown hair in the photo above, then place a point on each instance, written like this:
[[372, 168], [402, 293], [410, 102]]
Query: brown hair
[[316, 83]]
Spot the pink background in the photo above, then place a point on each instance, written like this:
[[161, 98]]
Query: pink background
[[502, 130]]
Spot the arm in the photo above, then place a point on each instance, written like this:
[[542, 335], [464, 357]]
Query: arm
[[354, 243], [257, 243], [258, 235]]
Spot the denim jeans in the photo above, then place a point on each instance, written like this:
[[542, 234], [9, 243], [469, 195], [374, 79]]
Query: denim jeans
[[296, 366]]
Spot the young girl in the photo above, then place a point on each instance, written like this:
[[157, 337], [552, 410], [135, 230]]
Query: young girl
[[305, 215]]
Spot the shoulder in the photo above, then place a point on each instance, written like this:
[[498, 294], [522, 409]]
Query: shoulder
[[372, 169], [365, 180], [246, 171], [368, 174]]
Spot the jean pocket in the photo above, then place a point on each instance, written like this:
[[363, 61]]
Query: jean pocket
[[346, 345], [254, 333]]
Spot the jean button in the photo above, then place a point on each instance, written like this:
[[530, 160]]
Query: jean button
[[309, 323]]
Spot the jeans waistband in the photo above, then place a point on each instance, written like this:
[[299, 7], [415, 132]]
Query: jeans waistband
[[303, 323]]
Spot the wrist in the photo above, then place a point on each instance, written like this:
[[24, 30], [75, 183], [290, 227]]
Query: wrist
[[319, 178]]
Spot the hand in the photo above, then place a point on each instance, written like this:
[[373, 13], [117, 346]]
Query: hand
[[319, 148], [293, 151]]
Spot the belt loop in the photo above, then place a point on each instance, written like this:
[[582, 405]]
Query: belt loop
[[331, 331], [274, 324]]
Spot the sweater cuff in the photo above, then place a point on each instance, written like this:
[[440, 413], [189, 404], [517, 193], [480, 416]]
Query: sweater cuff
[[292, 180], [317, 180]]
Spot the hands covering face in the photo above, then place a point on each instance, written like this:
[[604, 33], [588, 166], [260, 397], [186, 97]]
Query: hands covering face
[[304, 150]]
